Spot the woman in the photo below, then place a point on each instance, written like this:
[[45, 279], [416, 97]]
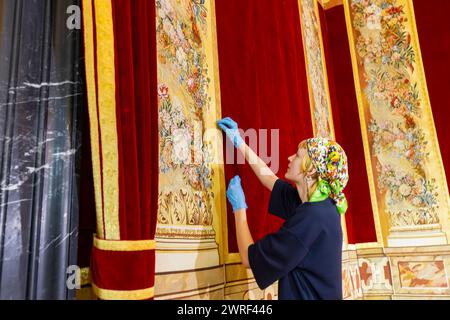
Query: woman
[[305, 253]]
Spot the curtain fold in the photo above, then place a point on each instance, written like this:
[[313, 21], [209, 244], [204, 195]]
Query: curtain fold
[[263, 86], [359, 217], [41, 96], [120, 44], [434, 37]]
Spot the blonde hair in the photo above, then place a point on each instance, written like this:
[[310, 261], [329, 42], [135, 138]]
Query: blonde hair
[[307, 167]]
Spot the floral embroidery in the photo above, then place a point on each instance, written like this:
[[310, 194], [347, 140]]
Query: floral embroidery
[[183, 100], [311, 29]]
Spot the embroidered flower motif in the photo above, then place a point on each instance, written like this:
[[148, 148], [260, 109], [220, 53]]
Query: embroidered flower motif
[[163, 91], [388, 58]]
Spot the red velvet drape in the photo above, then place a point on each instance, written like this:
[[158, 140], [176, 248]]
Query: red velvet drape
[[124, 268], [359, 217], [434, 37], [137, 116], [263, 86]]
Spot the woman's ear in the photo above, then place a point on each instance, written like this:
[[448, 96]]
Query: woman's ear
[[312, 172]]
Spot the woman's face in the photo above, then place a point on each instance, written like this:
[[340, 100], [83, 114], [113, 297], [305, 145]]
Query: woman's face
[[294, 171]]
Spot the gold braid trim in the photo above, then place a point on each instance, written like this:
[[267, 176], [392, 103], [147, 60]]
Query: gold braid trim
[[124, 245], [106, 294]]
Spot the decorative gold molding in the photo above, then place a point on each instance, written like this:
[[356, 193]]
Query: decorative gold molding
[[184, 232], [428, 227], [180, 207], [183, 245], [328, 4], [367, 245]]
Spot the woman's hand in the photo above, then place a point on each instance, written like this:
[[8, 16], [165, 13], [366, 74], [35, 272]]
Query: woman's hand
[[230, 127], [235, 194], [244, 238], [259, 167]]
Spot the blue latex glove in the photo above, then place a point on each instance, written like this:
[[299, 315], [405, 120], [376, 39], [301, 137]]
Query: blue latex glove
[[236, 195], [230, 127]]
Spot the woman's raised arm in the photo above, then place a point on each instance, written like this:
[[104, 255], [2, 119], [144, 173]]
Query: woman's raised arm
[[259, 167]]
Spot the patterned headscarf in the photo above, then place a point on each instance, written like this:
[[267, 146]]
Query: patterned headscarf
[[330, 161]]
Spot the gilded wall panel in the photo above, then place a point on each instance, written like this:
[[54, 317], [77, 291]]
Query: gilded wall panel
[[316, 69], [398, 129], [189, 181]]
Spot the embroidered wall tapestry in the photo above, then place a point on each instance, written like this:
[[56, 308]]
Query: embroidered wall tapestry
[[398, 129]]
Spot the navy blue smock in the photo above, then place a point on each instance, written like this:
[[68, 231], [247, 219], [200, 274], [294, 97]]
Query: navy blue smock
[[305, 255]]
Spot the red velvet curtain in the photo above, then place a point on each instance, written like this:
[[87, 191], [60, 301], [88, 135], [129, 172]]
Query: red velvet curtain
[[359, 217], [434, 37], [124, 268], [263, 86], [137, 116]]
